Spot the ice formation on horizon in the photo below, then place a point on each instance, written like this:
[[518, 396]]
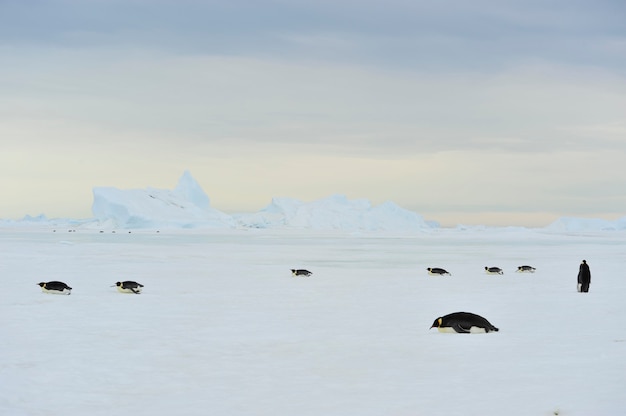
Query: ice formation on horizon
[[572, 224], [187, 206], [336, 212]]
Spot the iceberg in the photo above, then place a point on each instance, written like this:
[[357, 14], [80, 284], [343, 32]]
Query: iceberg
[[187, 206], [335, 213], [573, 224]]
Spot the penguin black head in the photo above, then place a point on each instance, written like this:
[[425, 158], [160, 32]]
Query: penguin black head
[[437, 323], [41, 284], [118, 283]]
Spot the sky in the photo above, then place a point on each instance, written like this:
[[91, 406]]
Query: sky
[[482, 112]]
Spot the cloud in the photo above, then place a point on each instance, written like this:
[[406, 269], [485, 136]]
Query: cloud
[[420, 35], [425, 103]]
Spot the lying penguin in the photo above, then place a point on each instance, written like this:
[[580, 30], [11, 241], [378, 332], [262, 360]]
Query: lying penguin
[[493, 270], [526, 269], [437, 271], [55, 288], [463, 323], [129, 286], [300, 272]]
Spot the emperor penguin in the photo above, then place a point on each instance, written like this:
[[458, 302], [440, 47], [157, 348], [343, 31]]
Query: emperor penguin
[[129, 286], [463, 323], [437, 271], [300, 272], [526, 269], [493, 270], [54, 287]]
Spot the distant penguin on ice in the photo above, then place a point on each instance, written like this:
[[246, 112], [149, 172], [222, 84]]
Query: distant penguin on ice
[[526, 269], [54, 287], [300, 272], [463, 323], [493, 270], [129, 286], [437, 271]]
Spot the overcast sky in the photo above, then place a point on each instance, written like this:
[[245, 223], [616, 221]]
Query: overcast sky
[[467, 112]]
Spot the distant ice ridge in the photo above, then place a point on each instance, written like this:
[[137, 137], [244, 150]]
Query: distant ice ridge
[[41, 220], [187, 206], [571, 224], [335, 213]]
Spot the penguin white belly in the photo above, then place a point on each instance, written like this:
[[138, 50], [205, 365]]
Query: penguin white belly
[[122, 290], [473, 330], [477, 330], [56, 292]]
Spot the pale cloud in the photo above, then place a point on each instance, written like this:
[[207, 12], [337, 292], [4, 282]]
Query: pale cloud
[[481, 108]]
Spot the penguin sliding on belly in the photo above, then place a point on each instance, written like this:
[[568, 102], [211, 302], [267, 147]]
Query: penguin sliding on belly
[[129, 286], [301, 272], [493, 270], [55, 288], [463, 323], [437, 271]]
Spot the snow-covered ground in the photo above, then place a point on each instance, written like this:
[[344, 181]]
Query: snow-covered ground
[[222, 327]]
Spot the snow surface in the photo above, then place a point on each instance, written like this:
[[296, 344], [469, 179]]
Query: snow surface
[[223, 328]]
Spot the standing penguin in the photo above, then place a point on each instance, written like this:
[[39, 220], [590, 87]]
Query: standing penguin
[[584, 277]]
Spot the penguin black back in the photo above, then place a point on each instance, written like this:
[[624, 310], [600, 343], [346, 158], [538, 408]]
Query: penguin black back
[[54, 286], [437, 271]]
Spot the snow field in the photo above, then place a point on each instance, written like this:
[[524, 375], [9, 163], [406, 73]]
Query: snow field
[[224, 328]]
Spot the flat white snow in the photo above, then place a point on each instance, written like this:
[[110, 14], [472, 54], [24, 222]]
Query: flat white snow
[[223, 328]]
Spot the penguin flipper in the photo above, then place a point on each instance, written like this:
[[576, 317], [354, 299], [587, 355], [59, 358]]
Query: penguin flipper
[[135, 290], [460, 329]]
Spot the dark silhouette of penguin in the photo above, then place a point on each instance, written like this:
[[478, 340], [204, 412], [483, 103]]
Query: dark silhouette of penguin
[[526, 269], [437, 271], [55, 287], [129, 286], [584, 277], [493, 270], [463, 323], [300, 272]]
